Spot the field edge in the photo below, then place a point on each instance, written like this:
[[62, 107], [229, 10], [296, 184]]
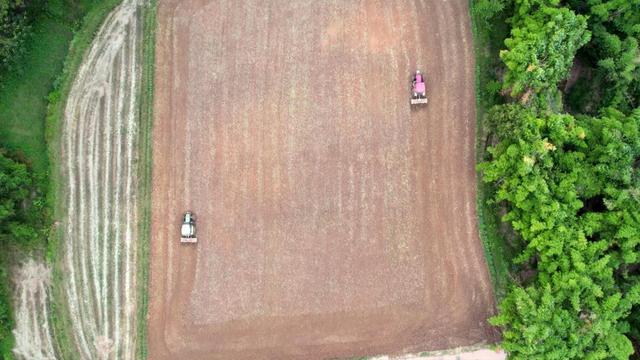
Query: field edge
[[498, 253], [145, 165]]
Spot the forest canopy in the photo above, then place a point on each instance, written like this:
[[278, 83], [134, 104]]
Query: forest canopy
[[562, 160]]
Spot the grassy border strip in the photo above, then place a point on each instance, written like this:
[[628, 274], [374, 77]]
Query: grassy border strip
[[497, 251], [145, 168]]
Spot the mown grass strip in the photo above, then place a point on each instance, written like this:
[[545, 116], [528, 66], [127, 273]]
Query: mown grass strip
[[57, 99], [145, 170]]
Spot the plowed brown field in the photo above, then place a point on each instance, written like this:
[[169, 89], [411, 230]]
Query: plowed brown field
[[333, 220]]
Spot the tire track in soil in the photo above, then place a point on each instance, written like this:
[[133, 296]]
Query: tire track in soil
[[99, 153], [334, 221]]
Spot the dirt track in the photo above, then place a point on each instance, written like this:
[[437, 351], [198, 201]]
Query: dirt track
[[33, 335], [333, 220]]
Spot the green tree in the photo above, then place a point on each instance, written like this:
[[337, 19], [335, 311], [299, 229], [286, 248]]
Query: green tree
[[612, 53], [569, 317], [16, 215], [13, 27], [486, 10], [623, 14], [541, 47]]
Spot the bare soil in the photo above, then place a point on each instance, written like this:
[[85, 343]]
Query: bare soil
[[333, 219]]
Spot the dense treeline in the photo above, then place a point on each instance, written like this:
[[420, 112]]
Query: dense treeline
[[568, 182], [572, 195]]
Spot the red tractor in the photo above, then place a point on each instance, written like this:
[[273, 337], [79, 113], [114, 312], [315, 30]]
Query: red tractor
[[418, 89]]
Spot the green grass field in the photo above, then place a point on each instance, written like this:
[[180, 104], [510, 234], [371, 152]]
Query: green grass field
[[24, 89], [23, 93]]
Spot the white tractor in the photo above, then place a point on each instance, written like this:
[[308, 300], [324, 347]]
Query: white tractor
[[188, 229]]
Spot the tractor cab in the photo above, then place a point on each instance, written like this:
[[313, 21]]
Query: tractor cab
[[188, 229]]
